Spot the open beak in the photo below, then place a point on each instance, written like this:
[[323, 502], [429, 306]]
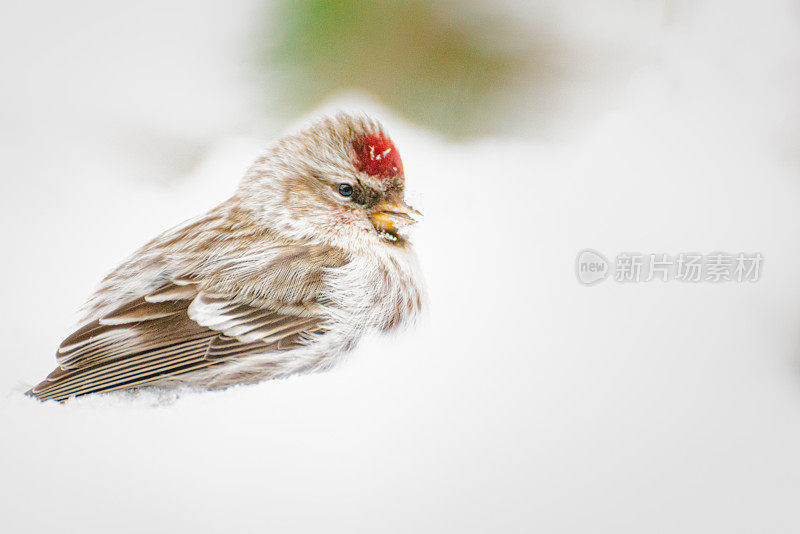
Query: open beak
[[390, 217]]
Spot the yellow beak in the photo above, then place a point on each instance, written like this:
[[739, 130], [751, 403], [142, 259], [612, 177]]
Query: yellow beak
[[391, 217]]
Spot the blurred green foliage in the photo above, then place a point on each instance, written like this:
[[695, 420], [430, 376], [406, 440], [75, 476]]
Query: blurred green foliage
[[410, 55]]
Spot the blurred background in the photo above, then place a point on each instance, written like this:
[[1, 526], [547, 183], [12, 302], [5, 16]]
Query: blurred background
[[158, 82], [529, 131]]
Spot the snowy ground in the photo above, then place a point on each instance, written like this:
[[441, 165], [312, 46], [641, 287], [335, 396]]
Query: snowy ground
[[525, 401]]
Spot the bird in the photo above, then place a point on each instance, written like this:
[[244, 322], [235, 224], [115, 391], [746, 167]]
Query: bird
[[311, 252]]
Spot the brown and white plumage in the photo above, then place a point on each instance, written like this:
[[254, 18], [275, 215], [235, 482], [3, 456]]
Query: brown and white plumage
[[282, 278]]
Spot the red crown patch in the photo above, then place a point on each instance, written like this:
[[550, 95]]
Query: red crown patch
[[377, 155]]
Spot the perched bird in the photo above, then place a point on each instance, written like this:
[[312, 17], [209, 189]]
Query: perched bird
[[282, 278]]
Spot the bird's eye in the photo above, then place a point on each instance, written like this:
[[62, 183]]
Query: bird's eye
[[346, 190]]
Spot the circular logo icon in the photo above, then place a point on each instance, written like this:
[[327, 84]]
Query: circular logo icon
[[591, 267]]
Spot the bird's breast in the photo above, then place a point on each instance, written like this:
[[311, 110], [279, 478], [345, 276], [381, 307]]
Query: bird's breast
[[382, 291]]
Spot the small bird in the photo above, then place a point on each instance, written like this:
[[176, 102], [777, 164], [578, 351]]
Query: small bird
[[284, 277]]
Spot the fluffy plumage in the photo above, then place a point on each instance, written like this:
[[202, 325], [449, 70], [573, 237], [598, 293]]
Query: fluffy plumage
[[282, 278]]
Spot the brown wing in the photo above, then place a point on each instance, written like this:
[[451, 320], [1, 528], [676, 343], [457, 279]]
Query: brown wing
[[158, 336]]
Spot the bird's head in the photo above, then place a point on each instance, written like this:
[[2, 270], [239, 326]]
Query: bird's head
[[339, 180]]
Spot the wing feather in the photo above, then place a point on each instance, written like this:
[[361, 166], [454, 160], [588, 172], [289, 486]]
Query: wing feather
[[99, 379], [174, 330]]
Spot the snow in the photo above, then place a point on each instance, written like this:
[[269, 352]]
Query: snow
[[524, 401]]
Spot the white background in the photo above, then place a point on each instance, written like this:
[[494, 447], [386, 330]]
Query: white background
[[525, 401]]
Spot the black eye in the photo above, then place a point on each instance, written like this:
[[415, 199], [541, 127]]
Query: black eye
[[345, 190]]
